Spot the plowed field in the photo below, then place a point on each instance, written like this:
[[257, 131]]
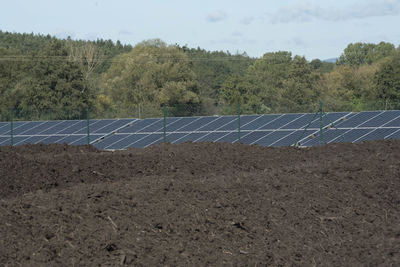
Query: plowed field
[[201, 204]]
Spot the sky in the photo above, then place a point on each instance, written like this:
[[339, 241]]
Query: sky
[[314, 28]]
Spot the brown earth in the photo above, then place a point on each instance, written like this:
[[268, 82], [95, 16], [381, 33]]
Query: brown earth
[[201, 204]]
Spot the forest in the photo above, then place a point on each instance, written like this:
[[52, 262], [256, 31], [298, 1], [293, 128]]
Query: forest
[[42, 77]]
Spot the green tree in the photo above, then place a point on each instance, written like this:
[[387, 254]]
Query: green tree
[[299, 92], [266, 78], [151, 75], [52, 84], [388, 82], [365, 53]]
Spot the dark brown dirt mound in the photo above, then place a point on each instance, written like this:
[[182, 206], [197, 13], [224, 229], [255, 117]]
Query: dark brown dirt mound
[[201, 204]]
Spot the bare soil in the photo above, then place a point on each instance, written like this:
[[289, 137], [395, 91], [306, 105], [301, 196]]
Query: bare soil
[[201, 204]]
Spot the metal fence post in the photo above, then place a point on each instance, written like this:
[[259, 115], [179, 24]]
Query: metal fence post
[[12, 126], [88, 125], [238, 111]]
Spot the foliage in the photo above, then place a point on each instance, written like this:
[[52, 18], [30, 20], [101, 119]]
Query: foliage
[[387, 79], [365, 53], [39, 73], [152, 74]]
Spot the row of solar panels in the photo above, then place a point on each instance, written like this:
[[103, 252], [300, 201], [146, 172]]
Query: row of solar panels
[[265, 130]]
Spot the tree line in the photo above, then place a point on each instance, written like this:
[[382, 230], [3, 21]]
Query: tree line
[[40, 74]]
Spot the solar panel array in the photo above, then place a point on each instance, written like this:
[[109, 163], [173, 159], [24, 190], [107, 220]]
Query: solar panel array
[[265, 130]]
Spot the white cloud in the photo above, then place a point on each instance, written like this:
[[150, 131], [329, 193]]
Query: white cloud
[[306, 12], [296, 41], [237, 33], [216, 16], [247, 20], [125, 32]]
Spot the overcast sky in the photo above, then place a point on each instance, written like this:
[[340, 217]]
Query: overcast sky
[[313, 28]]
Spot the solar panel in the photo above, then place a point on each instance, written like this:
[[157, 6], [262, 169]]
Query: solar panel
[[329, 118], [210, 137], [262, 120], [177, 125], [395, 135], [292, 138], [381, 119], [252, 137], [265, 130], [350, 136], [376, 134], [358, 119], [178, 138], [151, 139], [200, 123], [57, 127], [282, 121], [272, 137], [141, 125]]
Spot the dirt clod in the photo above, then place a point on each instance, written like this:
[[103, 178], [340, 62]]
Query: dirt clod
[[201, 204]]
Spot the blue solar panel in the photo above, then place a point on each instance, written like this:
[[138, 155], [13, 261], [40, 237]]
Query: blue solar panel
[[301, 122], [211, 137], [252, 137], [216, 124], [151, 139], [200, 123], [83, 139], [51, 140], [20, 129], [351, 135], [58, 126], [358, 119], [16, 125], [172, 137], [260, 121], [5, 141], [178, 124], [292, 138], [20, 139], [381, 119], [395, 135], [40, 127], [141, 125], [328, 135], [74, 128], [4, 127], [231, 126], [265, 130], [229, 138], [377, 134], [335, 118], [69, 139], [116, 124], [393, 123], [281, 121], [28, 140], [185, 138], [123, 142], [158, 126], [109, 140], [273, 137]]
